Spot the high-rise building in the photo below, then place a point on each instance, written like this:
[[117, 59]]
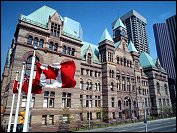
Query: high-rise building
[[164, 50], [136, 30], [171, 24], [165, 53]]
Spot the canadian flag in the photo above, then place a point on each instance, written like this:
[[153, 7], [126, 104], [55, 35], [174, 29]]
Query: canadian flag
[[15, 87], [57, 75], [36, 88]]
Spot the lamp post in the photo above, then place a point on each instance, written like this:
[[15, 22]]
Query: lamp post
[[145, 117]]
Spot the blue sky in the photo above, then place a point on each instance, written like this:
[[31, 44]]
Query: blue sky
[[94, 17]]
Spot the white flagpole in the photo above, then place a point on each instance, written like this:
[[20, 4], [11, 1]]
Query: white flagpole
[[18, 100], [27, 113], [13, 98]]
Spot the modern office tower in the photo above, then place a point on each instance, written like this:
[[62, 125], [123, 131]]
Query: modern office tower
[[171, 24], [166, 55], [136, 30]]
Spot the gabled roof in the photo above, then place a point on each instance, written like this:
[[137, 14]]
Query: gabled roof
[[105, 36], [118, 24], [146, 60], [94, 49], [131, 47]]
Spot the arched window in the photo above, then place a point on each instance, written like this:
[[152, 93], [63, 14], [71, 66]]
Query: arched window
[[28, 65], [55, 46], [87, 86], [64, 49], [90, 85], [69, 51], [41, 43], [123, 84], [128, 84], [127, 102], [29, 40], [166, 91], [119, 104], [51, 46], [73, 52], [35, 43], [96, 86], [121, 61], [117, 60], [89, 58], [118, 84]]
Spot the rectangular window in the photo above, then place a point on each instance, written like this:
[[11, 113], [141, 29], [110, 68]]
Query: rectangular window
[[44, 119], [112, 99], [81, 116], [96, 102], [45, 102], [113, 115], [98, 115], [51, 103], [89, 115], [66, 100], [24, 99], [51, 119]]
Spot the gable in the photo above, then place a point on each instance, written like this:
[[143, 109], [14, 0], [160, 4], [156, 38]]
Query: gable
[[56, 18]]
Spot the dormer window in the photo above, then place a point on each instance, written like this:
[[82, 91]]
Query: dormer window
[[55, 30], [89, 58]]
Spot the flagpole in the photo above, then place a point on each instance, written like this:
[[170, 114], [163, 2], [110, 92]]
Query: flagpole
[[13, 98], [27, 113], [18, 100]]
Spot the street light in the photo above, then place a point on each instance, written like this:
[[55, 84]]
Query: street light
[[145, 117]]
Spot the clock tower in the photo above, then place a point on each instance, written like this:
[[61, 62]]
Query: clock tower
[[119, 31]]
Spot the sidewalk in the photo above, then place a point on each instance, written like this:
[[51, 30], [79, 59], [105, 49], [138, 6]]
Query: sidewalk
[[124, 125]]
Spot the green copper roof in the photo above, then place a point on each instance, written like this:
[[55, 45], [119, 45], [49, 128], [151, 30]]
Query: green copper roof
[[118, 24], [94, 49], [116, 45], [40, 17], [131, 47], [106, 36], [146, 60]]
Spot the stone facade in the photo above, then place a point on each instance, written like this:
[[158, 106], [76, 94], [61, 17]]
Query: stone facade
[[116, 87]]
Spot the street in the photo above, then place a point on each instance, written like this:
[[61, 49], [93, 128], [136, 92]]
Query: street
[[161, 125]]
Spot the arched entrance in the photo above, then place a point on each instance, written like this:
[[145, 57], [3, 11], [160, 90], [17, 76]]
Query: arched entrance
[[127, 107]]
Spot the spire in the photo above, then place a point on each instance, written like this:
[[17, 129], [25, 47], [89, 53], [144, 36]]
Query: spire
[[105, 36], [118, 24], [131, 47]]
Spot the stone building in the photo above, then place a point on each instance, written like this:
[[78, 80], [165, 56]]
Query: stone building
[[112, 83]]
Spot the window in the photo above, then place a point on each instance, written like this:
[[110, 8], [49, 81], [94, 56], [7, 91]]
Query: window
[[166, 91], [168, 103], [96, 102], [124, 62], [99, 87], [51, 46], [98, 115], [117, 60], [89, 115], [89, 58], [118, 84], [112, 86], [44, 119], [81, 100], [64, 49], [69, 51], [113, 115], [28, 65], [99, 101], [81, 85], [24, 99], [95, 73], [35, 43], [112, 101], [55, 46], [55, 30], [82, 71], [81, 116], [48, 100], [160, 103], [29, 40], [66, 118], [90, 72], [51, 119], [123, 84], [66, 99], [119, 104], [128, 84], [88, 100], [41, 43], [158, 88], [73, 52], [164, 103], [90, 85]]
